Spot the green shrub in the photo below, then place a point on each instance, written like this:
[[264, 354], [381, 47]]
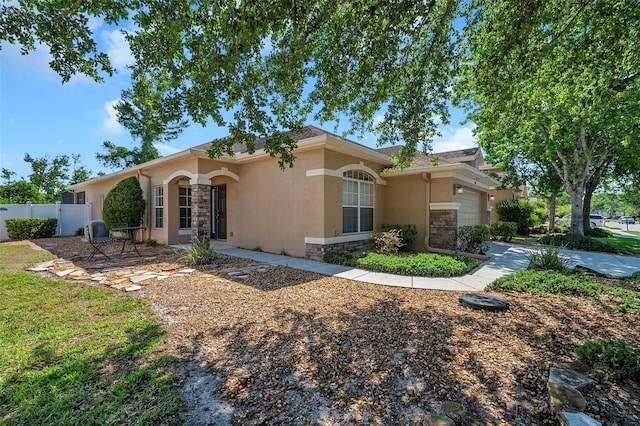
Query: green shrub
[[503, 231], [424, 264], [409, 233], [473, 239], [80, 231], [548, 259], [342, 258], [200, 253], [388, 242], [151, 242], [539, 213], [616, 355], [546, 283], [598, 233], [518, 211], [28, 228], [124, 204], [578, 242]]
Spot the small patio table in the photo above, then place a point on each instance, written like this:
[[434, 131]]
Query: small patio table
[[128, 236]]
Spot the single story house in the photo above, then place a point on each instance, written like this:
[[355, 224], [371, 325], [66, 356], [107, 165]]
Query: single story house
[[337, 193]]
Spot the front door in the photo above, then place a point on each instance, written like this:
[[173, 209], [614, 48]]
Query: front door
[[219, 212]]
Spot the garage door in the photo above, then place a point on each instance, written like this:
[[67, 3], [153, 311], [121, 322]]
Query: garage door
[[469, 213]]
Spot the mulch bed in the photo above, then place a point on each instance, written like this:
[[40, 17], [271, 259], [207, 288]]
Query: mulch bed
[[293, 347]]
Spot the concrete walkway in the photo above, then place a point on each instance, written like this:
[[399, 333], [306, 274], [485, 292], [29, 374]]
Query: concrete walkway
[[503, 259]]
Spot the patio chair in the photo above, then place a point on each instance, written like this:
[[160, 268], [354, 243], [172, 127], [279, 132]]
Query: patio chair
[[98, 236]]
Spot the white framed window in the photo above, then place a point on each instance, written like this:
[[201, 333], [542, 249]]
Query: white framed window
[[184, 202], [357, 202], [158, 207]]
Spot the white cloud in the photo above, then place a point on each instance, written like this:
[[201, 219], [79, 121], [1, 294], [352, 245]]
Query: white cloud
[[117, 47], [453, 139], [164, 149], [110, 124], [36, 60]]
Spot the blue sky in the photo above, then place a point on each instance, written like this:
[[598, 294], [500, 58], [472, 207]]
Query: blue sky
[[41, 116]]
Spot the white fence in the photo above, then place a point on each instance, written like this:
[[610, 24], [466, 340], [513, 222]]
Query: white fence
[[70, 216]]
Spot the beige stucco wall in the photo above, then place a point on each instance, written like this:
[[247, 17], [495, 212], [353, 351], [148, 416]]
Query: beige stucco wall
[[406, 203], [274, 210]]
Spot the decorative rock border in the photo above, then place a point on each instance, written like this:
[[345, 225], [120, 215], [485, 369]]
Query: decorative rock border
[[126, 279], [565, 385]]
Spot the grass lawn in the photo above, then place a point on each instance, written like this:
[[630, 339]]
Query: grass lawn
[[71, 354], [624, 244]]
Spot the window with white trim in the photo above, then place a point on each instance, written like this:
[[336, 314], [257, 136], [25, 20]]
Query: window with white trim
[[158, 207], [357, 202], [184, 202]]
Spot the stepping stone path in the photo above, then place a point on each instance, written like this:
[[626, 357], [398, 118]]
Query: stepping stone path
[[123, 276]]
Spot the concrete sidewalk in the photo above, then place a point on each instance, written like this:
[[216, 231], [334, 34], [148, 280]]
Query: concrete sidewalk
[[504, 259]]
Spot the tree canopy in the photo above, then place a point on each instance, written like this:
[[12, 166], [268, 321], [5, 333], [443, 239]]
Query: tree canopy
[[556, 83], [272, 65]]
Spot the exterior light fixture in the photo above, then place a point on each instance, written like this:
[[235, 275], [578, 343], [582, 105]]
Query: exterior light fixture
[[457, 189], [492, 197]]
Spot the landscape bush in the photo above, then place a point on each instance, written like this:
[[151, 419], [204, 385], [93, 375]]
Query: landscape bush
[[578, 242], [422, 265], [124, 204], [200, 253], [547, 283], [539, 213], [387, 242], [28, 228], [473, 239], [340, 258], [548, 259], [616, 355], [518, 211], [598, 233], [503, 231], [409, 233]]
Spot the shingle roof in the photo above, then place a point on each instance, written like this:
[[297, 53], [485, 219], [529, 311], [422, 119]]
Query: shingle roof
[[420, 161], [423, 160], [306, 133]]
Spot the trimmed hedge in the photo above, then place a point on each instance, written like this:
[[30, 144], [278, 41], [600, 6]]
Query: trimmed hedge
[[578, 242], [28, 228], [503, 231], [124, 204]]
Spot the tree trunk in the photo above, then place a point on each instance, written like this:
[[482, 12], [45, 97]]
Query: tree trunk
[[576, 192], [552, 213], [591, 186]]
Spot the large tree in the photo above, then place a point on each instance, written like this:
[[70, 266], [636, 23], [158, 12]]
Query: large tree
[[557, 81], [49, 175], [271, 64]]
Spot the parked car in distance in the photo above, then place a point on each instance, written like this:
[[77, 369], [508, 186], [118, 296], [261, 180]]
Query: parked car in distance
[[626, 219], [596, 220]]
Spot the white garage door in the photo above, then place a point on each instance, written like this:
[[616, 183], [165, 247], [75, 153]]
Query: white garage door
[[469, 213]]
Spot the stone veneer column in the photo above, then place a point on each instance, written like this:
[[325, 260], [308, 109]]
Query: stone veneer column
[[443, 229], [200, 211]]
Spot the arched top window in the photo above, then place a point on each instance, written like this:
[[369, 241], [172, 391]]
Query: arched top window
[[357, 202]]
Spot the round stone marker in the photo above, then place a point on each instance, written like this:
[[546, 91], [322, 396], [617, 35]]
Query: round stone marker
[[483, 301]]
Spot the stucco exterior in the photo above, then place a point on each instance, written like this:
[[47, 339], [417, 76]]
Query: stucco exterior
[[248, 201]]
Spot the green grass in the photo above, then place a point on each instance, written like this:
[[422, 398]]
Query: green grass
[[625, 297], [18, 257], [72, 355], [420, 265], [623, 244], [633, 232]]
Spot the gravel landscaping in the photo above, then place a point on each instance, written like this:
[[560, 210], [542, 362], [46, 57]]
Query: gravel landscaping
[[284, 346]]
